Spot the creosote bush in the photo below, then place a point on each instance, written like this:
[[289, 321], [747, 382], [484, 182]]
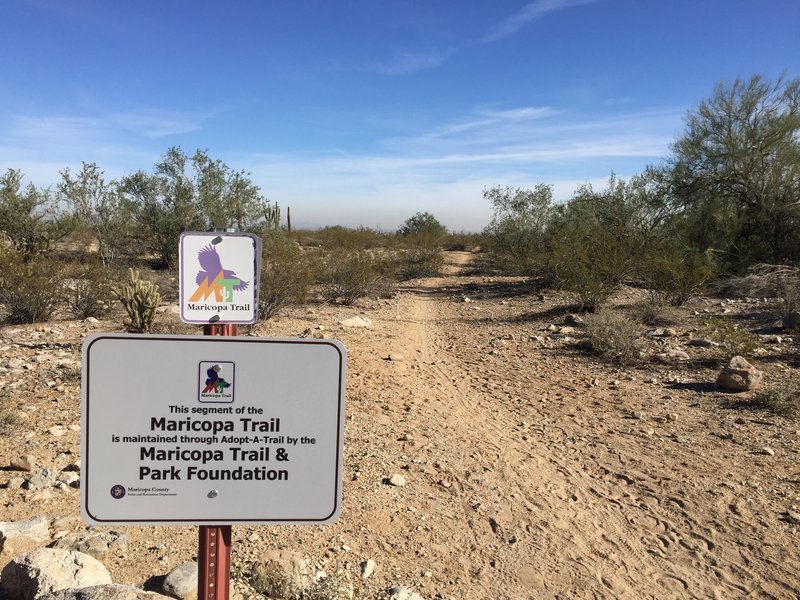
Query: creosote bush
[[352, 274], [613, 336], [737, 340], [31, 291], [140, 299], [418, 261], [89, 292], [783, 400], [287, 274], [673, 276]]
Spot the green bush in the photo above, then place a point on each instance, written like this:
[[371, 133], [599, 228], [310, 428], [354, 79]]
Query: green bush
[[782, 400], [352, 274], [737, 340], [418, 261], [614, 337], [287, 273], [673, 275], [423, 226], [8, 416], [89, 293], [31, 291], [140, 299]]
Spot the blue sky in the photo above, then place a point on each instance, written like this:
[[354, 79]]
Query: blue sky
[[364, 112]]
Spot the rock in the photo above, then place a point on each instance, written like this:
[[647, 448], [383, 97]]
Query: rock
[[282, 574], [739, 376], [637, 414], [111, 591], [672, 355], [672, 417], [40, 479], [368, 568], [574, 320], [181, 582], [768, 451], [395, 357], [397, 480], [356, 322], [69, 478], [792, 320], [37, 529], [23, 463], [401, 592], [93, 543], [664, 332], [771, 339], [45, 570], [703, 342], [91, 321], [792, 517]]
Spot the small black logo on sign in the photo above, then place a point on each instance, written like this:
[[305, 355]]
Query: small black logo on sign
[[118, 491]]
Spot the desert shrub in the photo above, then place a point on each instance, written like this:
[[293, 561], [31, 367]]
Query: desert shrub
[[287, 273], [31, 291], [423, 226], [613, 336], [140, 299], [737, 340], [271, 579], [674, 275], [8, 416], [88, 293], [783, 400], [418, 261], [766, 281], [654, 314], [348, 275], [515, 238], [338, 237], [590, 265], [470, 242]]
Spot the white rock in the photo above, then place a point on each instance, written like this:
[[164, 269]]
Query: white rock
[[397, 480], [181, 582], [368, 568], [33, 575], [356, 322]]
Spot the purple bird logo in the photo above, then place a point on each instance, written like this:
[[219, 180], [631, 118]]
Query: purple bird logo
[[214, 279]]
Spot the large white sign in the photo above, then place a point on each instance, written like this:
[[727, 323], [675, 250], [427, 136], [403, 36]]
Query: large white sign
[[219, 277], [211, 430]]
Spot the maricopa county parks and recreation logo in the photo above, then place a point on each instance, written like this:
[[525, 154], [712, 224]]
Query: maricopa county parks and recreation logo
[[118, 491], [215, 382], [214, 279]]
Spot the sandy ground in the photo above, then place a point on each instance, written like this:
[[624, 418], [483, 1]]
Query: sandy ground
[[528, 473]]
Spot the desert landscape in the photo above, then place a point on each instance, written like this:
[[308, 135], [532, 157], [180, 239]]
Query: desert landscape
[[487, 453]]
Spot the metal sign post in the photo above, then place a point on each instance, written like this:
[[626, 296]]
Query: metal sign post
[[214, 548]]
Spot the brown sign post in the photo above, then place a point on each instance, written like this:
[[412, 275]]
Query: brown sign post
[[214, 553]]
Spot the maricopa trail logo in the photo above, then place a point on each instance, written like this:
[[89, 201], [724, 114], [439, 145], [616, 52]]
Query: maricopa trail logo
[[214, 279], [216, 382]]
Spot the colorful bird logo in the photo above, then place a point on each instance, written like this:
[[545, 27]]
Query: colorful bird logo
[[214, 279]]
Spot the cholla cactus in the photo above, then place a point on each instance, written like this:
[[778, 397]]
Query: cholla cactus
[[140, 298]]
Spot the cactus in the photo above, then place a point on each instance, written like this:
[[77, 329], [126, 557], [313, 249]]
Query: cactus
[[140, 298], [272, 216]]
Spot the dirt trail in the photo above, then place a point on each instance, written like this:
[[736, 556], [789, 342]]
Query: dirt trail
[[531, 470], [547, 499]]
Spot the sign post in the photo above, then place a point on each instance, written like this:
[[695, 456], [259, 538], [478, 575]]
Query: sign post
[[214, 546], [216, 429]]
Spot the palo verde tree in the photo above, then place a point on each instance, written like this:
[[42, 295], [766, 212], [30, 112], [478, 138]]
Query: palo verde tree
[[29, 217], [736, 171], [99, 205], [517, 229], [189, 194]]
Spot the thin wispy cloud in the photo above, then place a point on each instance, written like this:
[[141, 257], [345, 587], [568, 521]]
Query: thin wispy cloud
[[406, 63], [529, 12]]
